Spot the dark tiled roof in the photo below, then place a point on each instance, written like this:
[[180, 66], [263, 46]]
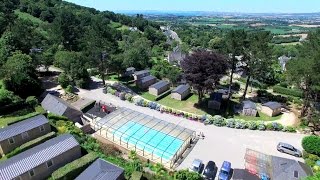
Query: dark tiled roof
[[35, 156], [216, 97], [249, 105], [54, 105], [23, 126], [160, 84], [147, 78], [101, 169], [137, 73], [272, 105], [181, 89], [130, 69], [283, 168]]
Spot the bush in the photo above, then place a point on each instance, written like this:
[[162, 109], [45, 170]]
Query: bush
[[31, 144], [63, 80], [122, 96], [73, 169], [219, 121], [287, 91], [82, 83], [252, 125], [231, 123], [241, 125], [56, 117], [311, 144], [40, 110], [261, 127], [32, 101], [186, 174], [289, 129], [136, 175], [128, 97], [69, 89]]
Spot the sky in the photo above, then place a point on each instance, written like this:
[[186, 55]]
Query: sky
[[247, 6]]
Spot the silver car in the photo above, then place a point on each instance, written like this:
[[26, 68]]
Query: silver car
[[289, 149], [196, 166]]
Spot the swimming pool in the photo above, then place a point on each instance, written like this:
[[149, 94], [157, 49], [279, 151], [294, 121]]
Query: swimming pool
[[153, 141]]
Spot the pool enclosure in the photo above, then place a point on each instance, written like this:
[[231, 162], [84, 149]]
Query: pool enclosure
[[152, 138]]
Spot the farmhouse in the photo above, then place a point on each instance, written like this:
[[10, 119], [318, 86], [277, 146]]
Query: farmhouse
[[145, 82], [215, 101], [19, 133], [140, 74], [271, 108], [249, 108], [180, 92], [101, 169], [58, 106], [39, 162], [159, 88]]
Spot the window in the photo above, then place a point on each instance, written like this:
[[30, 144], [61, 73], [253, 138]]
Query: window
[[41, 128], [25, 135], [11, 140], [49, 163], [296, 174], [31, 173]]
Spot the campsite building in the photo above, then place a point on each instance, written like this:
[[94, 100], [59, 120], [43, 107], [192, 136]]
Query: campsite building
[[249, 108], [181, 92], [145, 82], [159, 88], [19, 133], [41, 161], [271, 108], [138, 75]]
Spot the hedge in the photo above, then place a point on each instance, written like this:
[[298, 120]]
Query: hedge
[[287, 91], [31, 144], [163, 95], [73, 169], [311, 144], [22, 118], [56, 117]]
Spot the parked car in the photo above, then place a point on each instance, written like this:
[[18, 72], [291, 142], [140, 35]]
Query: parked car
[[209, 170], [289, 149], [196, 166], [225, 171]]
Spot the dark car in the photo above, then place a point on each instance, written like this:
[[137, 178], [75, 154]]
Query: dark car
[[209, 170], [225, 171]]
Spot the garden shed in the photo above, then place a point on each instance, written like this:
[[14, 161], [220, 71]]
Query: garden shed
[[249, 108], [140, 74], [271, 108], [145, 82], [215, 101], [159, 88], [180, 92]]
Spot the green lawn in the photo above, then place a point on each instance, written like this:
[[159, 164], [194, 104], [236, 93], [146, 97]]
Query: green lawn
[[262, 117], [4, 121]]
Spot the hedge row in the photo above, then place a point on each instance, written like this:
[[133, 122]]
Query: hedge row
[[287, 91], [31, 144], [73, 169]]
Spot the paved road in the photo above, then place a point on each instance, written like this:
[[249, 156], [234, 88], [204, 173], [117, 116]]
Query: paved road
[[220, 143]]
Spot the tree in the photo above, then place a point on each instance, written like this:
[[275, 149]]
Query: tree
[[186, 174], [235, 41], [203, 70], [63, 80], [311, 144], [163, 69], [7, 16], [8, 97], [20, 76], [314, 177], [257, 56]]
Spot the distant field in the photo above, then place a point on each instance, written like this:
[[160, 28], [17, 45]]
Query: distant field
[[306, 25]]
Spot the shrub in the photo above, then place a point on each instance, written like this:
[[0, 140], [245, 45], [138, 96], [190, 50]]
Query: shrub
[[82, 83], [185, 174], [128, 97], [289, 129], [241, 125], [219, 121], [261, 127], [122, 96], [283, 84], [73, 169], [287, 91], [277, 126], [311, 144], [231, 123], [31, 144], [69, 89], [32, 101], [252, 125], [136, 175], [63, 80], [56, 117], [40, 110]]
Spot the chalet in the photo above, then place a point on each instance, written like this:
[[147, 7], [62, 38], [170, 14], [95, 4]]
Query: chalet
[[101, 169], [181, 92], [41, 161], [249, 108], [215, 101], [145, 82], [138, 75], [271, 108], [19, 133], [59, 107], [159, 88]]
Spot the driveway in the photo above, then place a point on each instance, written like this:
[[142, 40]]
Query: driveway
[[220, 143]]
